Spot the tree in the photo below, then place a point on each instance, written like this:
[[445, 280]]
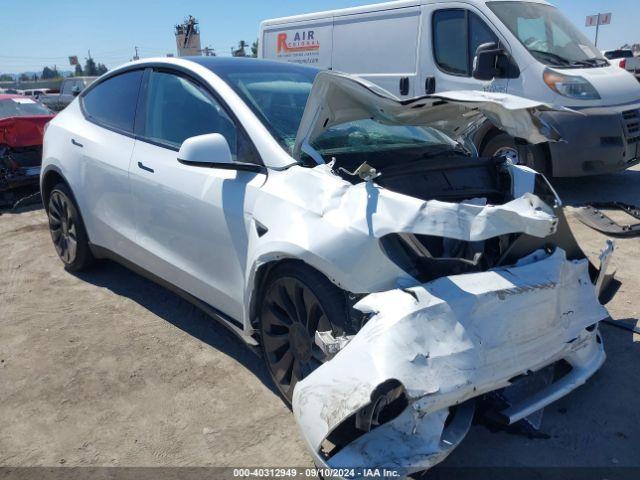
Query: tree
[[24, 77], [254, 49], [90, 68], [5, 77], [101, 69], [48, 73], [78, 72]]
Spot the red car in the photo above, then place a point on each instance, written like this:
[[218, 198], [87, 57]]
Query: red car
[[22, 122]]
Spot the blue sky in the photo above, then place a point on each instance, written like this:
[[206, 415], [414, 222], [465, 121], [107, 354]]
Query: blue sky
[[36, 33]]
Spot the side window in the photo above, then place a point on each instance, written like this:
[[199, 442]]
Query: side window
[[178, 109], [113, 102], [66, 88], [450, 41], [479, 33], [457, 34]]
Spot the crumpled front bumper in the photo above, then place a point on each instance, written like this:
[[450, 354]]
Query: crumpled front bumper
[[444, 343]]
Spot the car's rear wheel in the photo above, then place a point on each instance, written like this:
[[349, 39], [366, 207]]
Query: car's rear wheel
[[297, 302], [67, 229]]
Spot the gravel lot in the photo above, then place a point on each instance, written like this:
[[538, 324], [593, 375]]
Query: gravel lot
[[108, 369]]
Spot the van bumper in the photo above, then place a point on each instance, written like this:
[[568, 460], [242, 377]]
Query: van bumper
[[599, 140]]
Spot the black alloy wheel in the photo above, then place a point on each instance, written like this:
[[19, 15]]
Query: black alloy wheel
[[67, 230], [291, 313]]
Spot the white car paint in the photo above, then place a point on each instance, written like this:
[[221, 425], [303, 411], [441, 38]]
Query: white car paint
[[196, 229]]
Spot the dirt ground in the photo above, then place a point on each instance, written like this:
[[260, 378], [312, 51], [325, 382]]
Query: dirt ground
[[108, 369]]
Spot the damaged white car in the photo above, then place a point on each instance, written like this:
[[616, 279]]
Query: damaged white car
[[388, 274]]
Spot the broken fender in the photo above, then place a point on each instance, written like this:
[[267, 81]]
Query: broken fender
[[444, 343]]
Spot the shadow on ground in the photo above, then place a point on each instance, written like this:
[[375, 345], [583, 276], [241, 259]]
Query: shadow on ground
[[621, 187], [180, 313]]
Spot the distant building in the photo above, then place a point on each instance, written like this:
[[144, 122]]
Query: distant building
[[188, 38]]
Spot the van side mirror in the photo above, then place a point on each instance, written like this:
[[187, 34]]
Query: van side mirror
[[212, 150], [75, 90], [491, 61]]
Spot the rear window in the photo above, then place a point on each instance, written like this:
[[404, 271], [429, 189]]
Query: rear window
[[619, 54], [112, 103], [21, 107]]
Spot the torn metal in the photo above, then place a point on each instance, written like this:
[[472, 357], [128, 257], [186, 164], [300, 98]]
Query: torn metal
[[467, 275], [339, 98], [446, 342], [20, 154]]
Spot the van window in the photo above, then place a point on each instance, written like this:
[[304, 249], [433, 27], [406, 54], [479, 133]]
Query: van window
[[457, 34], [112, 103], [178, 109], [450, 42]]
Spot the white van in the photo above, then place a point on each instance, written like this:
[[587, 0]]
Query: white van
[[528, 48]]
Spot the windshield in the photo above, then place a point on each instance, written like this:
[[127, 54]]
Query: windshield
[[368, 135], [548, 35], [21, 107], [277, 97]]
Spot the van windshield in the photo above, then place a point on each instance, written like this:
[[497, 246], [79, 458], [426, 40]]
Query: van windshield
[[550, 37]]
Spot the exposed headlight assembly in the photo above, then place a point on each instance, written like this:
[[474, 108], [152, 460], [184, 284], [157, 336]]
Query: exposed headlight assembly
[[570, 86]]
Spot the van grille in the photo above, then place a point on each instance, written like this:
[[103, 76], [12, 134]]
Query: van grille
[[631, 119]]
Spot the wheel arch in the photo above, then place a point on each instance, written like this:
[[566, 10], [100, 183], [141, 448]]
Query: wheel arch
[[484, 136], [258, 278], [49, 179]]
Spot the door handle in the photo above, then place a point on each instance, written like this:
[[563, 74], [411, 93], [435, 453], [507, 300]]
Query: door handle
[[77, 144], [145, 168], [430, 85]]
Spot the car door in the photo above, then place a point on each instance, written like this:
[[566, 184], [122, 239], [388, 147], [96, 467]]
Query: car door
[[104, 141], [451, 39], [191, 227]]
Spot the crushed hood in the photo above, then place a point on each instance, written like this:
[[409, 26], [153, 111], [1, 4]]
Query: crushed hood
[[338, 98], [18, 132]]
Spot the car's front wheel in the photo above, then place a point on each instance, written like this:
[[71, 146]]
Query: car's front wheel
[[67, 229], [297, 302]]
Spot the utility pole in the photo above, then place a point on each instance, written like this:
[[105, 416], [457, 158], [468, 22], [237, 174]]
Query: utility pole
[[597, 29], [136, 57]]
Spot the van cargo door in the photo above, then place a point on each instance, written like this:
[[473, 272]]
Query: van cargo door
[[380, 46]]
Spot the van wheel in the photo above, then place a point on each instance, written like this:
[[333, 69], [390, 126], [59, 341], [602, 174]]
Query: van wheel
[[67, 230], [504, 145], [297, 302]]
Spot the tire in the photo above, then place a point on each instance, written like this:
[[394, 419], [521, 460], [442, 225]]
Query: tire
[[505, 144], [67, 230], [297, 301]]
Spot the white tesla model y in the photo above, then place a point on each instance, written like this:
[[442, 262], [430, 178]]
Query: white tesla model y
[[388, 275]]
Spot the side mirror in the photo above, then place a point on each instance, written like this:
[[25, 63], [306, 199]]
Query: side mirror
[[212, 151], [485, 63], [75, 90], [491, 61]]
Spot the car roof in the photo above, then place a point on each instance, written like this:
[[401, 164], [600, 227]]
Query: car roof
[[237, 64]]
